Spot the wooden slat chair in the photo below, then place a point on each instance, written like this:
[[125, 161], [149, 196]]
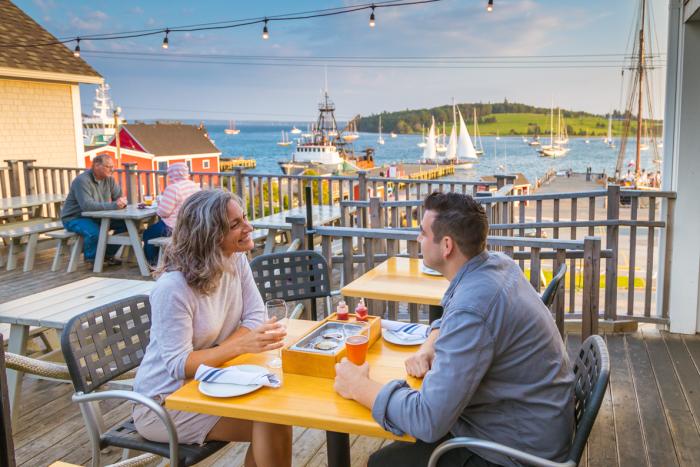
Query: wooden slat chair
[[64, 238], [550, 292], [98, 346], [592, 373], [293, 276]]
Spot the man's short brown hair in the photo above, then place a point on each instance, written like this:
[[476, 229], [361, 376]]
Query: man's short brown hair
[[460, 217]]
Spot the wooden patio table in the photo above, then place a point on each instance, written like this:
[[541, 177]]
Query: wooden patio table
[[400, 280], [132, 217], [53, 308], [304, 400], [30, 201]]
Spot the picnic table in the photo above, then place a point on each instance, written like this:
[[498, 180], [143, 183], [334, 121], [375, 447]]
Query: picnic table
[[29, 201], [53, 308], [275, 223], [400, 280], [305, 400], [132, 217]]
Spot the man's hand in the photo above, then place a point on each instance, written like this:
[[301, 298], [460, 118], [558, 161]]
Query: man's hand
[[269, 336], [349, 376], [122, 202], [419, 363]]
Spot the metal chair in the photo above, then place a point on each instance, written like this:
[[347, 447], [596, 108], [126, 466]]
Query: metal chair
[[592, 372], [292, 276], [550, 292], [102, 344]]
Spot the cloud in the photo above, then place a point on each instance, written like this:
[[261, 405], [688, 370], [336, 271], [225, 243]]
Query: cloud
[[90, 22], [137, 10]]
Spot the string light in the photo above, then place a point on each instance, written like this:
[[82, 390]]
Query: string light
[[266, 34], [371, 18], [489, 7], [165, 39], [76, 51]]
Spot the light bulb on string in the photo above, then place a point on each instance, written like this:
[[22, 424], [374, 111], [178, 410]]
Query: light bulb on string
[[165, 39], [489, 7], [266, 33], [76, 51], [371, 18]]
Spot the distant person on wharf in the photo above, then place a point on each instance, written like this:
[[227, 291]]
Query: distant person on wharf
[[94, 190], [207, 310], [494, 367], [179, 188]]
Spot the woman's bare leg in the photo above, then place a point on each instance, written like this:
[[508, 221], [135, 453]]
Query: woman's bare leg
[[271, 445]]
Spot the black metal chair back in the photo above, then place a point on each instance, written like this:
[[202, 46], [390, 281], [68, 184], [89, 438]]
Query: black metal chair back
[[550, 292], [106, 342], [292, 275], [592, 374], [7, 450]]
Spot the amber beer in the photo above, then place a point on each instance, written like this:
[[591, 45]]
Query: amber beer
[[356, 347]]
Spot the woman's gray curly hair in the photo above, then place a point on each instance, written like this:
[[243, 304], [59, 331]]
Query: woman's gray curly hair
[[195, 250]]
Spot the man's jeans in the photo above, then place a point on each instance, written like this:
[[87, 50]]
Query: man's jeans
[[89, 229]]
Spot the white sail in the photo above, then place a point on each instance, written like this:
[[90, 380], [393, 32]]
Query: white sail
[[429, 151], [380, 140], [465, 148], [452, 145]]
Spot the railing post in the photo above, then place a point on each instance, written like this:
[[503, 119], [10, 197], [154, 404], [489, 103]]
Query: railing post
[[591, 286], [239, 184], [298, 228], [666, 242], [131, 180], [611, 243], [29, 178], [362, 194], [13, 173]]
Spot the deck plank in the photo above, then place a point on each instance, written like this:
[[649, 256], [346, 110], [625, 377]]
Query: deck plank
[[687, 372], [660, 450], [573, 342], [628, 431], [602, 449]]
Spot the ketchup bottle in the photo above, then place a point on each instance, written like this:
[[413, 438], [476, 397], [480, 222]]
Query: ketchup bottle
[[342, 311], [361, 311]]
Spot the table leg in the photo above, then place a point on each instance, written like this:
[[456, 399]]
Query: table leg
[[101, 245], [18, 345], [434, 312], [136, 247], [338, 448], [270, 241]]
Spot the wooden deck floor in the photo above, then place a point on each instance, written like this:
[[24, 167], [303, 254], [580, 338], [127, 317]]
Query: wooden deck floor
[[650, 416]]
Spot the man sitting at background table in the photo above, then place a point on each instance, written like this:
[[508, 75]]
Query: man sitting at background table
[[494, 366], [94, 190]]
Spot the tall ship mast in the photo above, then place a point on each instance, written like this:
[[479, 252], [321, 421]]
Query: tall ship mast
[[639, 99], [326, 151], [98, 128]]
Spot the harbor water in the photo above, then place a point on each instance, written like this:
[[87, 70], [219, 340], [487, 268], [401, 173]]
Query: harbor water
[[509, 154]]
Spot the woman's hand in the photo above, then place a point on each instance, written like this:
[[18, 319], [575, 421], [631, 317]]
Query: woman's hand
[[269, 336]]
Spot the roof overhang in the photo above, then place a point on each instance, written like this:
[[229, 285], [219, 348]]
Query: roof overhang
[[19, 73], [692, 11]]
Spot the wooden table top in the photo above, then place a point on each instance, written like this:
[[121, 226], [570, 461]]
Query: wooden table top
[[399, 280], [130, 212], [28, 201], [55, 307], [303, 400], [321, 215]]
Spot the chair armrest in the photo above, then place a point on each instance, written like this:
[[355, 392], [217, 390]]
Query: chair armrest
[[34, 366], [143, 400], [143, 460], [297, 311], [465, 442]]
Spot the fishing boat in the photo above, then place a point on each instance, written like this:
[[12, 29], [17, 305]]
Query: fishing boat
[[392, 134], [477, 137], [352, 133], [231, 130], [380, 140], [295, 130], [326, 152], [99, 128], [285, 140]]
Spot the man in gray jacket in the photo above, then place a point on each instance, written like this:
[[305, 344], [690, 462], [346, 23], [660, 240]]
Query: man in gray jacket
[[94, 190], [494, 367]]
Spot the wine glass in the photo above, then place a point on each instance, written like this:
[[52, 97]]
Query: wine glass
[[276, 308]]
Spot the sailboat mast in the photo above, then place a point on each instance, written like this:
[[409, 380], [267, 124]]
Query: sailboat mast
[[641, 87]]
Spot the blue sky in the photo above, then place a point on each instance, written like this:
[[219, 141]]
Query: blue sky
[[153, 86]]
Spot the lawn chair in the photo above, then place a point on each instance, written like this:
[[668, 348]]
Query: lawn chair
[[550, 292], [292, 276], [98, 346], [592, 372]]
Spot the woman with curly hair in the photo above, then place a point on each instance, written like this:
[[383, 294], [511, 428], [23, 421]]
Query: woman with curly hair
[[206, 309]]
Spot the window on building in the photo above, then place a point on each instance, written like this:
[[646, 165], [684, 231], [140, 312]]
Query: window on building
[[163, 166], [205, 164]]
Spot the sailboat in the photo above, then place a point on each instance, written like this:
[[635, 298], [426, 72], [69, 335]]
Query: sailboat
[[285, 140], [392, 134], [477, 137], [466, 153], [429, 151], [422, 140], [563, 136], [295, 130], [231, 130], [609, 140], [380, 140], [587, 141], [308, 133], [352, 134], [498, 138], [441, 147], [553, 149]]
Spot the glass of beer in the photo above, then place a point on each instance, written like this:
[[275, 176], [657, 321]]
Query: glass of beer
[[148, 200]]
